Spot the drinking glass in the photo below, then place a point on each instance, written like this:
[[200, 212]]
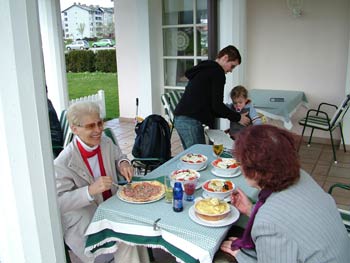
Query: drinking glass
[[218, 148], [168, 190], [190, 188]]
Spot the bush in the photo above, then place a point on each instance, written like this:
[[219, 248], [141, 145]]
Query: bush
[[80, 61], [106, 61]]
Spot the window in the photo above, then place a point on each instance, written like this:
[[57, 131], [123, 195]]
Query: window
[[185, 38], [66, 19]]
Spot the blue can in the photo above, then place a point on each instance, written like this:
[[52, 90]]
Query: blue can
[[178, 196]]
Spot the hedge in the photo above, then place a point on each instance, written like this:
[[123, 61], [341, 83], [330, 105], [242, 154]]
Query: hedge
[[105, 61], [88, 61]]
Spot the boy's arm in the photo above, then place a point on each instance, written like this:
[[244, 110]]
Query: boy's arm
[[256, 120]]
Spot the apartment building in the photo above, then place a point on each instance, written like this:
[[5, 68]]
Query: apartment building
[[82, 21]]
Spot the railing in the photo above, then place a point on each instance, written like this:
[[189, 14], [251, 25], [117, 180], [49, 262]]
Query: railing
[[98, 98]]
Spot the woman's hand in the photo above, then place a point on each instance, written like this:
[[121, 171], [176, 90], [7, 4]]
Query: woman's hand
[[126, 170], [103, 183], [226, 246], [241, 201]]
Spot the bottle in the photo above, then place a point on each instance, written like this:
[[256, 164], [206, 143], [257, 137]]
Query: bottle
[[177, 195]]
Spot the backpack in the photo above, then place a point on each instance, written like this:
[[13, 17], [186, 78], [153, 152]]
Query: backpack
[[152, 139]]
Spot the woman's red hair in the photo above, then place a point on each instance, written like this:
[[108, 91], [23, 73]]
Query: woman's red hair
[[268, 155]]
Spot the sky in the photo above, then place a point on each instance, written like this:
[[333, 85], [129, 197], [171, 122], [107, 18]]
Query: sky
[[104, 3]]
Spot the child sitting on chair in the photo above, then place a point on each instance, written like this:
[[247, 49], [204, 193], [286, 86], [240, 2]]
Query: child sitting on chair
[[241, 104]]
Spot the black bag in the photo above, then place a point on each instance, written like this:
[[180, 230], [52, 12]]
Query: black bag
[[152, 139]]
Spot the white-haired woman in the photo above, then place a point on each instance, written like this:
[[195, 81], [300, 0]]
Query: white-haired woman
[[85, 171]]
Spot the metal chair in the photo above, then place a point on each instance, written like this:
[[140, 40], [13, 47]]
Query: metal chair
[[169, 101], [345, 214], [320, 120]]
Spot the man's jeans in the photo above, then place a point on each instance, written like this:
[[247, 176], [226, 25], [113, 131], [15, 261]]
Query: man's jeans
[[190, 130]]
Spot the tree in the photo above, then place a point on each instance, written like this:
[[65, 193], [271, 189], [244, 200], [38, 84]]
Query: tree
[[81, 29], [108, 30]]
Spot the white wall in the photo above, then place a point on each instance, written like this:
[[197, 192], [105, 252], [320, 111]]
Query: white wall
[[308, 53]]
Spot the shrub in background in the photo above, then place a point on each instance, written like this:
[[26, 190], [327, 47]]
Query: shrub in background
[[87, 61], [106, 61], [80, 61]]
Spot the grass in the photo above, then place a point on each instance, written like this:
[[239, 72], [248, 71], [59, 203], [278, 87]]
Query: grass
[[83, 84]]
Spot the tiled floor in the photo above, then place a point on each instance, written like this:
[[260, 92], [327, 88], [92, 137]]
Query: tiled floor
[[317, 160]]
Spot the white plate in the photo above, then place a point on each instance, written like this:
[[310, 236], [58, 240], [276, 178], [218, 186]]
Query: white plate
[[226, 199], [228, 220], [134, 202], [180, 166], [215, 172]]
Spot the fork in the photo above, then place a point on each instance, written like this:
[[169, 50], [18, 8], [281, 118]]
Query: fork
[[128, 185]]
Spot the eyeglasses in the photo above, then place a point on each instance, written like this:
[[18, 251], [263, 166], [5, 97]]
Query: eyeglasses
[[91, 126]]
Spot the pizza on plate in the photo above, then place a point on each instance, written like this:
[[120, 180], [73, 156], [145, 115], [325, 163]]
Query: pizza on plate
[[142, 192]]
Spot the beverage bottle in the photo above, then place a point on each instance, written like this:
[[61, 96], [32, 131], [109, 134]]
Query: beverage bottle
[[177, 195]]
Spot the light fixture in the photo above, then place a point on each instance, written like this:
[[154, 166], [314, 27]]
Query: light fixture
[[295, 6]]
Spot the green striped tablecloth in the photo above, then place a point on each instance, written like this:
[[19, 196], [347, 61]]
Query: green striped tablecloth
[[115, 220]]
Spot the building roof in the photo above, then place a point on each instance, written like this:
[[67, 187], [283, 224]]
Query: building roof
[[90, 8]]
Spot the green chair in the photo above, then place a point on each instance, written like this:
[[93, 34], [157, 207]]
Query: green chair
[[66, 131], [169, 102], [345, 214], [320, 120]]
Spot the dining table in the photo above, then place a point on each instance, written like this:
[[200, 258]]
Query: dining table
[[278, 104], [156, 225]]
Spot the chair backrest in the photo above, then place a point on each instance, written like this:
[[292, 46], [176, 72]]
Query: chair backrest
[[345, 216], [169, 101], [109, 133], [67, 132], [340, 112]]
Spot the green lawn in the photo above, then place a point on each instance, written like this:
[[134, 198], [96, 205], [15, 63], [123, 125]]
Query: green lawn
[[83, 84]]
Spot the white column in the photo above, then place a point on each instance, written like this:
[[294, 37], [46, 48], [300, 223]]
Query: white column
[[29, 223], [53, 49], [139, 49], [232, 31]]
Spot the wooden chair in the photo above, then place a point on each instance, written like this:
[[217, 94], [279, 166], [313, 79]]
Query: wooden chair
[[169, 101], [320, 120], [345, 214]]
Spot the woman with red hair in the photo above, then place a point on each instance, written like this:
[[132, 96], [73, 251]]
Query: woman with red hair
[[294, 220]]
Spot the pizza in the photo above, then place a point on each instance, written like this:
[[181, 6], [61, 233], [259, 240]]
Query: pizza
[[142, 192]]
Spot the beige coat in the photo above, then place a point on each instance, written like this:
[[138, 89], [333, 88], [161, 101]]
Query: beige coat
[[72, 181]]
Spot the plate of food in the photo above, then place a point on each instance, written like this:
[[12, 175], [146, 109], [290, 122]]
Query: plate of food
[[183, 175], [141, 192], [219, 188], [226, 167], [213, 212], [194, 161]]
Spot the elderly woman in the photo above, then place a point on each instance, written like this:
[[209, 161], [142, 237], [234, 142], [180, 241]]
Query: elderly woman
[[85, 172], [294, 220]]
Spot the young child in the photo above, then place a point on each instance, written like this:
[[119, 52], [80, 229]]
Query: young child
[[241, 104]]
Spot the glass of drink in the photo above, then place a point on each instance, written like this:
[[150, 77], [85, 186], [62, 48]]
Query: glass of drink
[[168, 190], [218, 148], [190, 188]]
